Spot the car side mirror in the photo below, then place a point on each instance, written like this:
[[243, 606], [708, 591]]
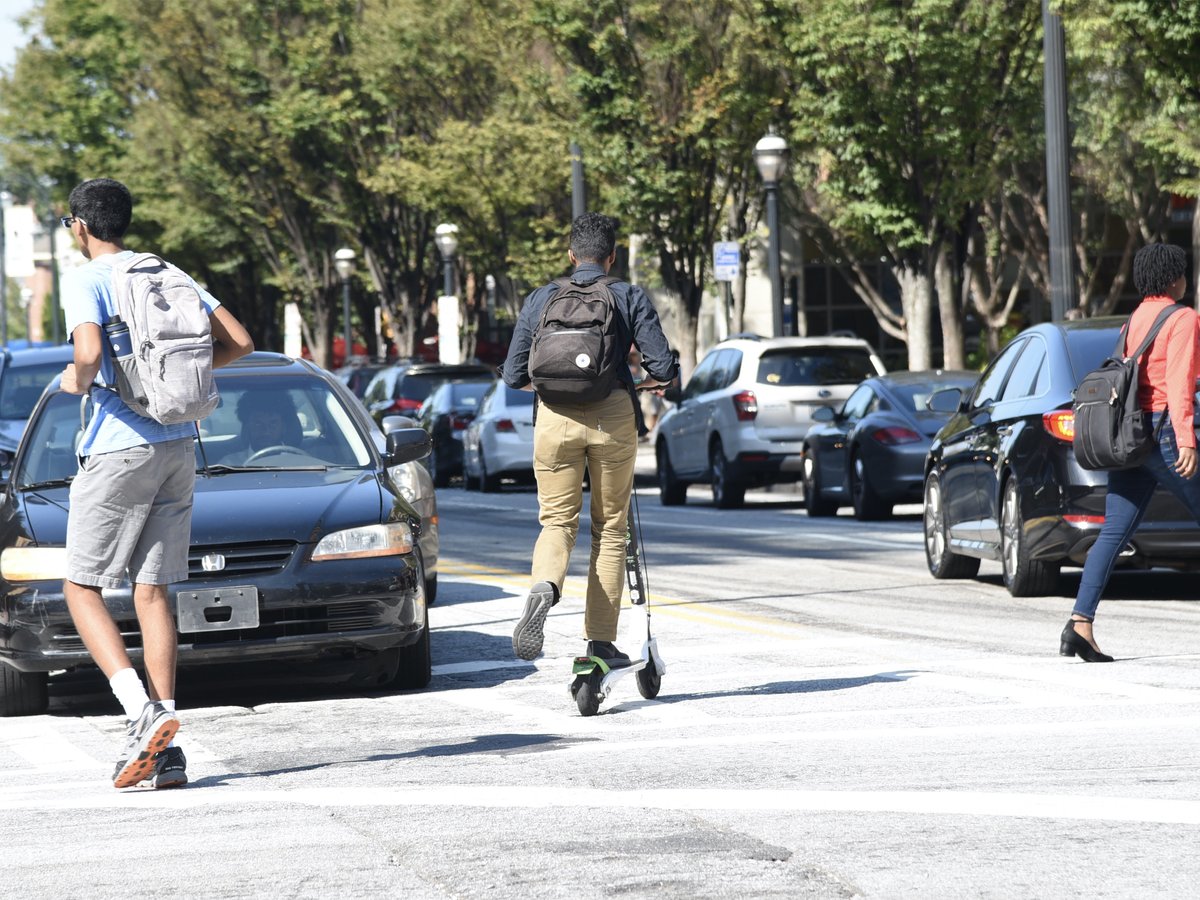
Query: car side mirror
[[395, 423], [824, 414], [406, 445], [947, 400]]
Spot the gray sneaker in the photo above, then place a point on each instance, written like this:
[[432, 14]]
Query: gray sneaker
[[170, 769], [527, 636], [147, 737]]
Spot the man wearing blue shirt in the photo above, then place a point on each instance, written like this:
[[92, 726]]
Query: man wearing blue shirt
[[131, 501], [600, 438]]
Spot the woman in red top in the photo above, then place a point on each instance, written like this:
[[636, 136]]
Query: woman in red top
[[1166, 387]]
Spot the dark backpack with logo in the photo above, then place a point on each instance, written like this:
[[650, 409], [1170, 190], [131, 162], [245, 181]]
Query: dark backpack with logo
[[576, 354], [1111, 430]]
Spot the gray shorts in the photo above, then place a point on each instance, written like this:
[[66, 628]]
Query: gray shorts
[[131, 515]]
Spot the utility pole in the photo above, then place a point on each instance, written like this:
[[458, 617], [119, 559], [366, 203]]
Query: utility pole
[[1058, 173], [578, 187]]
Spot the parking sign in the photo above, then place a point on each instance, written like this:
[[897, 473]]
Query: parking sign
[[727, 260]]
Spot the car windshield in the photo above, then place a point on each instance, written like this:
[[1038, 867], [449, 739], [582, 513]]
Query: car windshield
[[262, 422], [809, 366], [915, 396], [21, 387]]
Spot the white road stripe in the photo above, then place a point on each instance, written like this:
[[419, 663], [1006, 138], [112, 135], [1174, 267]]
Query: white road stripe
[[40, 745], [941, 803]]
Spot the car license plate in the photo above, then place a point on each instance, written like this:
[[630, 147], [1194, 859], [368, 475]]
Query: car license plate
[[223, 609]]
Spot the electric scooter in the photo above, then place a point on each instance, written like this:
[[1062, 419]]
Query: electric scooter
[[595, 677]]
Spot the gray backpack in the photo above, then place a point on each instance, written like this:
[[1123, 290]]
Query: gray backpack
[[165, 364]]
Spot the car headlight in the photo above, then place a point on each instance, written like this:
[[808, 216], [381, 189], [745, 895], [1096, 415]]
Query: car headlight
[[34, 563], [391, 539]]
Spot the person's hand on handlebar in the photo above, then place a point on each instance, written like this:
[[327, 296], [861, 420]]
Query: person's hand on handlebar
[[654, 387]]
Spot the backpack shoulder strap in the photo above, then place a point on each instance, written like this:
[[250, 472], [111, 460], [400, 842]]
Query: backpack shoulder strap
[[1159, 321]]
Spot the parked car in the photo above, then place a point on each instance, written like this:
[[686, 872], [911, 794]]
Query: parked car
[[357, 374], [741, 419], [445, 414], [304, 554], [1001, 479], [24, 374], [499, 441], [415, 484], [400, 389], [870, 454]]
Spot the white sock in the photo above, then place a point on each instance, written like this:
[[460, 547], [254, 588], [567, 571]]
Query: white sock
[[128, 689], [169, 706]]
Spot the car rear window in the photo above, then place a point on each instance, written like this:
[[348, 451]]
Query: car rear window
[[797, 366], [419, 385], [467, 393], [519, 398], [1088, 347]]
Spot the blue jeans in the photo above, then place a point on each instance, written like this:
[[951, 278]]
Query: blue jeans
[[1129, 493]]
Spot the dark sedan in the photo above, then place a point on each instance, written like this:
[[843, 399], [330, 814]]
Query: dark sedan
[[871, 453], [1001, 480], [445, 414], [303, 552], [24, 374]]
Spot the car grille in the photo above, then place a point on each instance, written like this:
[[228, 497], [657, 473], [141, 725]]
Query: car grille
[[293, 621], [241, 560]]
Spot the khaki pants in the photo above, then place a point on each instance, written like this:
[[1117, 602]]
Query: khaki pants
[[603, 437]]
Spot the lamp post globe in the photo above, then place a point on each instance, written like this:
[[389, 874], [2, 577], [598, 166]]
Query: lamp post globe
[[343, 261], [770, 156], [446, 238]]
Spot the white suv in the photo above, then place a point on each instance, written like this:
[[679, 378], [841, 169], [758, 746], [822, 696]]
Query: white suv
[[741, 419]]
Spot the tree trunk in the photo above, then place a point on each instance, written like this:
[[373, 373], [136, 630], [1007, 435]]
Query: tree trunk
[[916, 299], [1196, 252], [953, 356]]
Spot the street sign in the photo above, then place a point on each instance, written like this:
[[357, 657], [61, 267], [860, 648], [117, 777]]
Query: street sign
[[727, 260]]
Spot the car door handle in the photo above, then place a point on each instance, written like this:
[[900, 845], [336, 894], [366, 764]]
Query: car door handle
[[1004, 430]]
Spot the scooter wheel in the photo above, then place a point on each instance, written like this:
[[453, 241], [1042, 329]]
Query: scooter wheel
[[587, 697], [649, 681]]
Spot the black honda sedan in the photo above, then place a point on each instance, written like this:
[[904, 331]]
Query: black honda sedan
[[871, 452], [303, 548], [1001, 480]]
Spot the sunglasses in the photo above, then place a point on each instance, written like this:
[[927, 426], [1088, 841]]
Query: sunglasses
[[68, 220]]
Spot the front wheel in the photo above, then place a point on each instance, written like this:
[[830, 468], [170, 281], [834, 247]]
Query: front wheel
[[942, 563], [727, 491], [23, 693], [488, 483], [1023, 575], [671, 491], [868, 505], [814, 502], [437, 469], [649, 680], [416, 667]]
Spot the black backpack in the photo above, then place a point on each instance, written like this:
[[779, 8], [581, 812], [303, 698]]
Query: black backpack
[[576, 354], [1111, 429]]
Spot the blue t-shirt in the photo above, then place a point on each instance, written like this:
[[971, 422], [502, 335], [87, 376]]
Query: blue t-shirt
[[87, 296]]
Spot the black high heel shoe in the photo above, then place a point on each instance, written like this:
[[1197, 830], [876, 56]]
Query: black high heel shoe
[[1073, 644]]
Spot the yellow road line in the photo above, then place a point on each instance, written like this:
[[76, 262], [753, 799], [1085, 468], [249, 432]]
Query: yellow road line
[[675, 607]]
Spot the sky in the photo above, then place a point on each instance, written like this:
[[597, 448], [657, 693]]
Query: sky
[[11, 36]]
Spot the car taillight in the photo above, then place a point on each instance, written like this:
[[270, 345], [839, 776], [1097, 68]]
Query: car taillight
[[745, 406], [403, 403], [895, 435], [1060, 424], [459, 421], [506, 425]]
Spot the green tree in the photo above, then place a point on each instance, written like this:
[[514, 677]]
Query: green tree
[[901, 111], [672, 96]]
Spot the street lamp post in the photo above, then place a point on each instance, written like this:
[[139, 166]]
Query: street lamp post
[[343, 261], [5, 197], [449, 348], [446, 238], [26, 305], [770, 155]]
